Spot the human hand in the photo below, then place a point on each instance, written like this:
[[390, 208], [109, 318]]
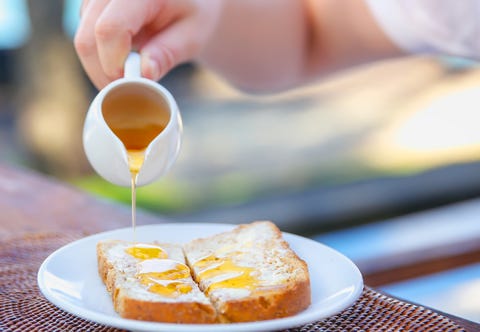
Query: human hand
[[165, 32]]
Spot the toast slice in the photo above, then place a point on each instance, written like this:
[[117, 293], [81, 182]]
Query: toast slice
[[151, 282], [250, 273]]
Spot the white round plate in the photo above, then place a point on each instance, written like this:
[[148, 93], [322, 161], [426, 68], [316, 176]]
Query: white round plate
[[69, 279]]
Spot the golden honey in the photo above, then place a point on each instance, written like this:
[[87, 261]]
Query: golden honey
[[147, 252], [135, 114], [172, 289], [135, 160], [166, 280], [213, 266], [180, 271]]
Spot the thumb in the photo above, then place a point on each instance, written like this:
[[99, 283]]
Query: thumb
[[176, 44]]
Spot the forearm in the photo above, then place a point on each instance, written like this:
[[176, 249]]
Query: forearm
[[259, 45], [272, 45], [344, 33]]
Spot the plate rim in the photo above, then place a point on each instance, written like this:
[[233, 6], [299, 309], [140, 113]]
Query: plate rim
[[137, 325]]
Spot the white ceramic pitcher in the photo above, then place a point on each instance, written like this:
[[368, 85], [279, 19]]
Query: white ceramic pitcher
[[107, 154]]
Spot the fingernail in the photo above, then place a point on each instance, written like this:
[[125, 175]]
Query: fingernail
[[149, 67]]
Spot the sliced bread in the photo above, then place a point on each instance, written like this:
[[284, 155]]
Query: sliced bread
[[250, 273], [151, 282]]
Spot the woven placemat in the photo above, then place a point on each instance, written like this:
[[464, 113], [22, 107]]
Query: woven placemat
[[23, 308]]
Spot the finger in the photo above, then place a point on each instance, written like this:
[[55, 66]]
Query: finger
[[85, 43], [115, 29], [177, 44], [83, 6]]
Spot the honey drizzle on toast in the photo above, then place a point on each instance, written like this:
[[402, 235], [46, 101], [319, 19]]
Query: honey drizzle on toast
[[161, 275], [234, 275]]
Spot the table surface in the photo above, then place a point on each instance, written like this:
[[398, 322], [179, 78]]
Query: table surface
[[31, 203]]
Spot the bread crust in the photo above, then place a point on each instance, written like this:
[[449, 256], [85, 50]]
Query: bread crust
[[105, 268], [271, 305], [168, 312]]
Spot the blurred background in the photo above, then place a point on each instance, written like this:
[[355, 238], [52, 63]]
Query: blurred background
[[359, 160]]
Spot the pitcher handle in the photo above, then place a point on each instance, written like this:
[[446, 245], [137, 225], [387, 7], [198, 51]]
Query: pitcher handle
[[133, 66]]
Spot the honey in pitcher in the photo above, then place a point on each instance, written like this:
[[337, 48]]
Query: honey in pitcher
[[136, 115]]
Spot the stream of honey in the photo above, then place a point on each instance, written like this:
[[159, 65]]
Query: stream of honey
[[136, 115]]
